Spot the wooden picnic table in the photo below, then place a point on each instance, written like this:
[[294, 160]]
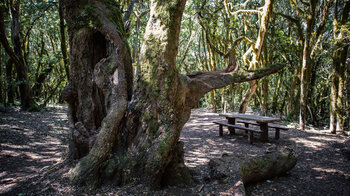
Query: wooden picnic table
[[262, 121]]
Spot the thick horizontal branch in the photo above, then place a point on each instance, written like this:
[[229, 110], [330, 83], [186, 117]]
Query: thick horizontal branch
[[218, 79]]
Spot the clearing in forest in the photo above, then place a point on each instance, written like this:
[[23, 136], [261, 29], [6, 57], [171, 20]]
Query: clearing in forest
[[32, 143]]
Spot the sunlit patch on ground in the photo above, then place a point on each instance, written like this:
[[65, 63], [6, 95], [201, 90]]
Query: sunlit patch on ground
[[31, 143], [320, 168], [28, 143]]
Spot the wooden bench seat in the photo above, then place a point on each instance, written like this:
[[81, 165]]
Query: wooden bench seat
[[277, 127], [247, 129]]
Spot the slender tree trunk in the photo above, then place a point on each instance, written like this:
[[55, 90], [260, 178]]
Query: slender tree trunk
[[267, 11], [9, 81], [305, 80], [223, 100], [63, 39], [339, 56], [41, 79], [265, 87], [283, 102], [2, 100], [27, 101], [333, 103], [312, 97], [248, 96], [340, 103], [347, 101], [276, 94], [291, 99], [213, 102], [211, 63], [135, 47], [25, 91], [36, 90], [306, 64], [232, 92]]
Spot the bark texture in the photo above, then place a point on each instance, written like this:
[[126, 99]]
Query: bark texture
[[311, 40], [257, 51], [121, 134], [267, 166], [340, 52], [63, 38]]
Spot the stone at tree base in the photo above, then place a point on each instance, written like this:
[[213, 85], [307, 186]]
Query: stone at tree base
[[267, 166]]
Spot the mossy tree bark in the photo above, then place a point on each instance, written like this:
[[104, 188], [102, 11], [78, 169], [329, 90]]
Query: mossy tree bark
[[9, 76], [340, 52], [63, 39], [292, 110], [257, 51], [313, 34], [120, 134]]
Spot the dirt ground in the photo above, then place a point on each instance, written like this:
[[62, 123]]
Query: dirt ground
[[32, 146]]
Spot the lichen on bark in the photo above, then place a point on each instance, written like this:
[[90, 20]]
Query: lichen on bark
[[137, 133]]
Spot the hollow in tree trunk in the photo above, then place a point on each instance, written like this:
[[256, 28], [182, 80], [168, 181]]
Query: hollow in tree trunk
[[124, 134]]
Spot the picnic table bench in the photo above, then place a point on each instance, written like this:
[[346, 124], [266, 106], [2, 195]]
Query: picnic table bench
[[250, 131], [277, 127], [262, 121]]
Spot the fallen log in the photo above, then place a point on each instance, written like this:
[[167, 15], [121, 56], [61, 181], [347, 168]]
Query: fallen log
[[267, 166]]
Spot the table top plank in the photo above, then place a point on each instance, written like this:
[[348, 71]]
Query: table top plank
[[259, 119]]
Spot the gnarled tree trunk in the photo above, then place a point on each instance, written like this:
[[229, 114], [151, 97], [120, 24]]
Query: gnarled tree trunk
[[120, 134]]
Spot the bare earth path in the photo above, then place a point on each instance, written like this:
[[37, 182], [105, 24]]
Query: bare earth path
[[30, 143]]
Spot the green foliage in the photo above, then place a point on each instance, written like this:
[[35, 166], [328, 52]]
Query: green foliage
[[207, 27], [211, 19], [40, 37]]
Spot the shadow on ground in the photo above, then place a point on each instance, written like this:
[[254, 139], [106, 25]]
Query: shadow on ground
[[30, 143], [322, 168]]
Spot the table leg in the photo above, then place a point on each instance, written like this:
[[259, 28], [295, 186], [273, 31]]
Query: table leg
[[220, 130], [231, 121], [246, 125], [265, 132], [277, 134]]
